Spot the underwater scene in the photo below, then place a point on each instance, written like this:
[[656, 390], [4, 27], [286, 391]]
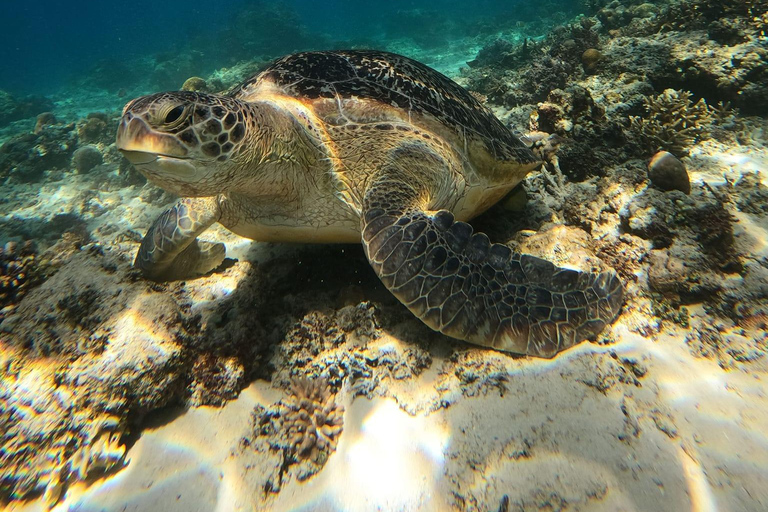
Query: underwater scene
[[384, 256]]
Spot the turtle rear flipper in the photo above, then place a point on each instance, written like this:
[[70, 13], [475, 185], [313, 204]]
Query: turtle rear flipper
[[460, 284], [170, 249]]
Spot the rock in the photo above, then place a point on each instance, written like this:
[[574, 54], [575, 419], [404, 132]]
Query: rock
[[43, 120], [86, 158], [668, 173], [96, 127], [726, 32], [194, 83], [666, 274], [13, 108], [112, 350], [25, 158]]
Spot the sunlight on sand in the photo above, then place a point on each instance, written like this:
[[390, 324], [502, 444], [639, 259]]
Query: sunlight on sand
[[386, 460], [699, 489], [405, 448], [184, 464]]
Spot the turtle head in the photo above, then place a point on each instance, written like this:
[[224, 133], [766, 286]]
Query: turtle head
[[183, 140]]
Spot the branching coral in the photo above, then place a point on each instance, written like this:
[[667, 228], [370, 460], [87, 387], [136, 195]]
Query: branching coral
[[549, 185], [674, 121], [313, 421]]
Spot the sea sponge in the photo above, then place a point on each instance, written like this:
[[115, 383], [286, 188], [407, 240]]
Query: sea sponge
[[312, 420]]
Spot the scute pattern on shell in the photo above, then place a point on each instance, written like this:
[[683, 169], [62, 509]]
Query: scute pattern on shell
[[395, 80]]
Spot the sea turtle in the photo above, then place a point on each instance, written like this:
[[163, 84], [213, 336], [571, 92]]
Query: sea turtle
[[351, 146]]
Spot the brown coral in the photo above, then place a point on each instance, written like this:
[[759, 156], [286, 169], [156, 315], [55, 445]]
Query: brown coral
[[674, 122], [43, 120], [590, 60], [18, 273], [194, 83], [95, 128], [313, 420]]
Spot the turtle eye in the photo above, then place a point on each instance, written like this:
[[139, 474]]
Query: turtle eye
[[174, 114]]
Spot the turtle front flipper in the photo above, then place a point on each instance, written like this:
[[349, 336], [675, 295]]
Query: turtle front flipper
[[170, 250], [460, 284]]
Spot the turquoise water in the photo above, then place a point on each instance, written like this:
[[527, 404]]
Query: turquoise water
[[50, 44]]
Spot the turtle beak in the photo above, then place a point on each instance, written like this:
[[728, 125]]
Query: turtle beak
[[142, 145]]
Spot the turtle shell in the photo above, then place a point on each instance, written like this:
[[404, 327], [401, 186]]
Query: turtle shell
[[395, 80]]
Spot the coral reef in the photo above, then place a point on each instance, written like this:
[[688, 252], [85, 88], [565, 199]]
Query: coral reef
[[312, 420], [535, 67], [43, 120], [63, 440], [97, 127], [108, 348], [591, 59], [616, 14], [674, 122], [19, 271], [214, 380], [13, 108], [305, 428], [712, 49], [692, 241], [194, 83], [27, 157], [87, 351], [86, 158]]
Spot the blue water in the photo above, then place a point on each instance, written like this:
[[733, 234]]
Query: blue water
[[49, 44]]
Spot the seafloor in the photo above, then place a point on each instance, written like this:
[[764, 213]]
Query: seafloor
[[121, 394]]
